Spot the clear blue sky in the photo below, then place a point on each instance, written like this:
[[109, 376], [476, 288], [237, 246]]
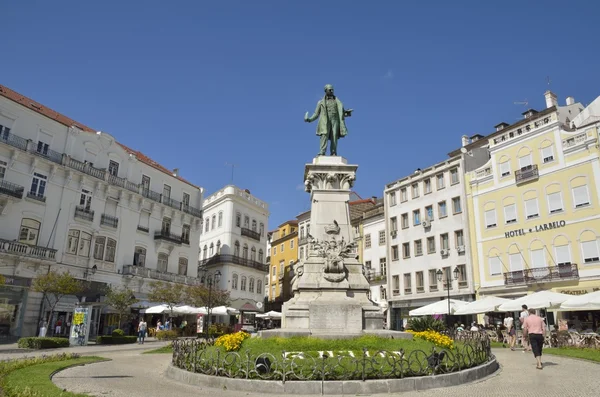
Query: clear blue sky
[[196, 84]]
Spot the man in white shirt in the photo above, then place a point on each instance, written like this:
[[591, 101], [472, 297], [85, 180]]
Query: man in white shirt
[[524, 342], [510, 329]]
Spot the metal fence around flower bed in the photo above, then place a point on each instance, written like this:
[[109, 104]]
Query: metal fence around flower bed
[[196, 356]]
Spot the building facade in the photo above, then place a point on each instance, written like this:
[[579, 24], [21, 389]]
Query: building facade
[[373, 252], [534, 208], [426, 224], [303, 233], [75, 200], [284, 253], [233, 241]]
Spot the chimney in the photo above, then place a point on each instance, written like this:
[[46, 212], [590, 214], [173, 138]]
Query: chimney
[[570, 100], [551, 99], [465, 140], [175, 172], [501, 126]]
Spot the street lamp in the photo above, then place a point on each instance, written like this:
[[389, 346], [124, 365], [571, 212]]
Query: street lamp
[[209, 280], [440, 275]]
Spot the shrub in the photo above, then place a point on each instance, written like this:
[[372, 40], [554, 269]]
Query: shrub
[[420, 324], [118, 333], [232, 342], [115, 340], [167, 335], [42, 343], [434, 337], [219, 329], [7, 366]]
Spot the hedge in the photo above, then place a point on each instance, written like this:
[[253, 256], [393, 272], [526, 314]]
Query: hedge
[[42, 343], [168, 335], [115, 340]]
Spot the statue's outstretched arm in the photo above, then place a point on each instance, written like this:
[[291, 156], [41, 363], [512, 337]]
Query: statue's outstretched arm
[[315, 114]]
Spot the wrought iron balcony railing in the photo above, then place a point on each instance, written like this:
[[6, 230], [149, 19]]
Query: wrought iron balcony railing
[[238, 260], [171, 203], [152, 195], [165, 235], [542, 275], [32, 251], [84, 213], [191, 210], [108, 220], [251, 233], [527, 174], [11, 189], [36, 196], [131, 270], [46, 153], [143, 229]]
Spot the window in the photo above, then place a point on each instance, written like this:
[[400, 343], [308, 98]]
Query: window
[[261, 255], [547, 154], [220, 218], [590, 251], [420, 281], [218, 247], [182, 266], [382, 237], [368, 265], [99, 246], [292, 244], [427, 186], [404, 219], [42, 148], [301, 255], [581, 197], [417, 217], [456, 206], [442, 209], [281, 268], [214, 222], [281, 247], [186, 202], [516, 263], [392, 199], [405, 250], [85, 199], [145, 183], [510, 213], [30, 231], [407, 283], [185, 234], [251, 285], [3, 166], [254, 225], [393, 224], [238, 219], [247, 222], [403, 195], [447, 277], [111, 250], [245, 251], [555, 202], [205, 252], [273, 291], [274, 273], [382, 293], [166, 225], [430, 245], [78, 243], [38, 185], [459, 238], [490, 218], [429, 213], [563, 255], [394, 252], [444, 243], [433, 282], [505, 169], [211, 250], [105, 249], [396, 284], [274, 250], [462, 275], [383, 266], [538, 258], [525, 162], [234, 281], [367, 241], [418, 248], [531, 208], [415, 190], [441, 183], [236, 248], [259, 287], [262, 229], [4, 131], [243, 284], [207, 225], [454, 179], [139, 257]]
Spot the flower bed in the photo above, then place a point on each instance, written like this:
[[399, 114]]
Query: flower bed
[[434, 337]]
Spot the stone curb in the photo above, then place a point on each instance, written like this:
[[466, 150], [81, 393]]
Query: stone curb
[[350, 387]]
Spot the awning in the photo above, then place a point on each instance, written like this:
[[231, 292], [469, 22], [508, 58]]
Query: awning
[[485, 305], [439, 307], [537, 300]]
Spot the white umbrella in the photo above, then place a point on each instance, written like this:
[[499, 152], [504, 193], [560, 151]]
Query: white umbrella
[[185, 309], [270, 315], [485, 305], [159, 309], [589, 301], [537, 300], [439, 307]]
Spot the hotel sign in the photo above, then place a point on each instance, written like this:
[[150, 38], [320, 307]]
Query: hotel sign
[[537, 228]]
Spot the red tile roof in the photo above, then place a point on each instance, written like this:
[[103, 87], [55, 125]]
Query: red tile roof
[[64, 120]]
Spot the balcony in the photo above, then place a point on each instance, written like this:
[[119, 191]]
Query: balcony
[[527, 174], [542, 275], [149, 194], [130, 270], [143, 229], [376, 278], [171, 203], [167, 236], [84, 213], [238, 260], [36, 196], [303, 240], [251, 233], [31, 251], [46, 153], [14, 141], [191, 210], [85, 168], [110, 221], [11, 189]]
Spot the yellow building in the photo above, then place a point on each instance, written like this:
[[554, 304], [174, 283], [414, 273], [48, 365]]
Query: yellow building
[[284, 253], [534, 208]]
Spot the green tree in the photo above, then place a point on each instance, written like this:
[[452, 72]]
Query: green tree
[[167, 293], [197, 296], [121, 300], [56, 285]]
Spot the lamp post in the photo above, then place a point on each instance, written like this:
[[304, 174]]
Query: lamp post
[[209, 280], [440, 274]]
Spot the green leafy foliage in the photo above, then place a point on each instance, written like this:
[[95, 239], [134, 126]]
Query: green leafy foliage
[[42, 343], [115, 340], [121, 300], [167, 335], [197, 296], [117, 333], [167, 293], [420, 324], [220, 329]]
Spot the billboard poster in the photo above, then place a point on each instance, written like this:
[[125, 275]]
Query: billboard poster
[[80, 326]]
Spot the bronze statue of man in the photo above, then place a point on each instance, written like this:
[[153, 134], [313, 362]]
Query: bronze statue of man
[[331, 124]]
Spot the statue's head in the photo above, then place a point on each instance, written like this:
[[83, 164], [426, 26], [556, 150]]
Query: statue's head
[[329, 90]]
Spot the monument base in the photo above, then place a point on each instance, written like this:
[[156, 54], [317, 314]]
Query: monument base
[[288, 333]]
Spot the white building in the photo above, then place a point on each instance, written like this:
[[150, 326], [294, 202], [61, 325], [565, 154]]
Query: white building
[[73, 199], [427, 232], [233, 241], [304, 231], [374, 253]]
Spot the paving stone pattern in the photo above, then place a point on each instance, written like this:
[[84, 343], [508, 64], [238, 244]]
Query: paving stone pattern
[[132, 374]]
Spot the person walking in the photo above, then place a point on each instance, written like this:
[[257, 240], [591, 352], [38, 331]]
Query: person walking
[[535, 328], [142, 326], [509, 323], [524, 314]]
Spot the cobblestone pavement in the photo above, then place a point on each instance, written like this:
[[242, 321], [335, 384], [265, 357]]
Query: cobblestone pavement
[[132, 374]]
